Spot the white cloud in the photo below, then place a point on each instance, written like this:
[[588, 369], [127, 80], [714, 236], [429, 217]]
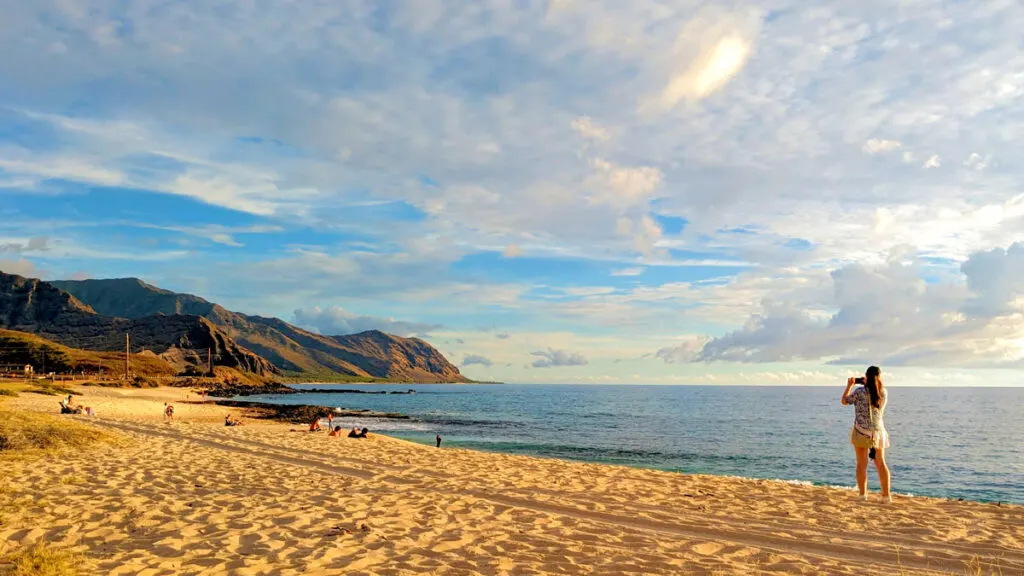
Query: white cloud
[[635, 271], [552, 358], [933, 161], [689, 350], [477, 359], [888, 314], [589, 129], [335, 321], [878, 146], [976, 162]]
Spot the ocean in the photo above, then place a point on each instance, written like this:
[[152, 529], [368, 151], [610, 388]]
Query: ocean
[[946, 442]]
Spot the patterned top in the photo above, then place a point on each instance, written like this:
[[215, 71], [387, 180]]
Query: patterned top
[[861, 400]]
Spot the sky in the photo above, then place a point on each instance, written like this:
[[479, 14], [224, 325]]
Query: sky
[[771, 192]]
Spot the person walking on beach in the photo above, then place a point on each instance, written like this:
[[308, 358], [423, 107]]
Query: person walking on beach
[[438, 438], [168, 413], [868, 435]]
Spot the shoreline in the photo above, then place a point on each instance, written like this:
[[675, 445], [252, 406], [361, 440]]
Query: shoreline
[[481, 447], [195, 496]]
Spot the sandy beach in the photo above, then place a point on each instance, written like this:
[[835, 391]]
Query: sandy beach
[[195, 497]]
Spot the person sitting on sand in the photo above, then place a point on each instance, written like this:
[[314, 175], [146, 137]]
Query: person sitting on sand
[[335, 432], [314, 426], [229, 421], [868, 435], [363, 433]]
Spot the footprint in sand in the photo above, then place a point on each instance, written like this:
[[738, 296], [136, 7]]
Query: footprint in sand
[[707, 548]]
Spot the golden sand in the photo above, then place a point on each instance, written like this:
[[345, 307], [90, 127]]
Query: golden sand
[[195, 497]]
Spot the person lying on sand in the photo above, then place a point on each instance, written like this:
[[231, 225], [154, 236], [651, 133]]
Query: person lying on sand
[[336, 431], [229, 421], [66, 408], [314, 426], [356, 433]]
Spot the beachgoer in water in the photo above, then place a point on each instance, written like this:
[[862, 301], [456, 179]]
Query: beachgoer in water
[[336, 431], [314, 426], [438, 438], [868, 435]]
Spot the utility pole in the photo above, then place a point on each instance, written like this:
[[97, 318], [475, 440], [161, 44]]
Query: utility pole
[[127, 354]]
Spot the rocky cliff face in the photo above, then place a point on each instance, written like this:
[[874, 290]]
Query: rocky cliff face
[[290, 348], [37, 307]]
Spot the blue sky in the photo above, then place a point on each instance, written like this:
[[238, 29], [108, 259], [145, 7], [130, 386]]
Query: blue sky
[[641, 192]]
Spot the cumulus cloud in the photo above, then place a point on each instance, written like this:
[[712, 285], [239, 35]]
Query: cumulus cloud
[[933, 161], [552, 358], [976, 162], [336, 321], [589, 129], [888, 313], [36, 244], [472, 359], [877, 146], [688, 350]]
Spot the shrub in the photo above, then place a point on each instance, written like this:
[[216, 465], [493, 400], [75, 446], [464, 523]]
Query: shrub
[[43, 560], [26, 432]]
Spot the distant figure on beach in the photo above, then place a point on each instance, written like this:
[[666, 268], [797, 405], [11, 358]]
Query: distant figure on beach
[[353, 433], [336, 431], [314, 426], [330, 420], [438, 438], [364, 433], [168, 413], [229, 421], [868, 435]]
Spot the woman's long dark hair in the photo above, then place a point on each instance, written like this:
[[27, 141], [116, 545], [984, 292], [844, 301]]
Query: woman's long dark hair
[[874, 385]]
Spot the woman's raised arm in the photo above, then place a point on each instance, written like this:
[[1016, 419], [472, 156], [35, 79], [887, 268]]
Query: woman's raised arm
[[849, 384]]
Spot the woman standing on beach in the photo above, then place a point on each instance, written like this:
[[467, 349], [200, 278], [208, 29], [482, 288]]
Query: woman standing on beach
[[868, 436]]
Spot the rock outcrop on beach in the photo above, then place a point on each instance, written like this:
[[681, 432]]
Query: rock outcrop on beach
[[372, 354], [183, 340]]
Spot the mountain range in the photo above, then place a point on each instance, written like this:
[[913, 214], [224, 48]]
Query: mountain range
[[182, 328]]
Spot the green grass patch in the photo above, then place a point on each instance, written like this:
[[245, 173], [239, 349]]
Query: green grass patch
[[53, 389], [41, 560], [29, 432]]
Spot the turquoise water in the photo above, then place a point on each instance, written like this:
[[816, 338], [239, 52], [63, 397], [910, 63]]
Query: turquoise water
[[948, 442]]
